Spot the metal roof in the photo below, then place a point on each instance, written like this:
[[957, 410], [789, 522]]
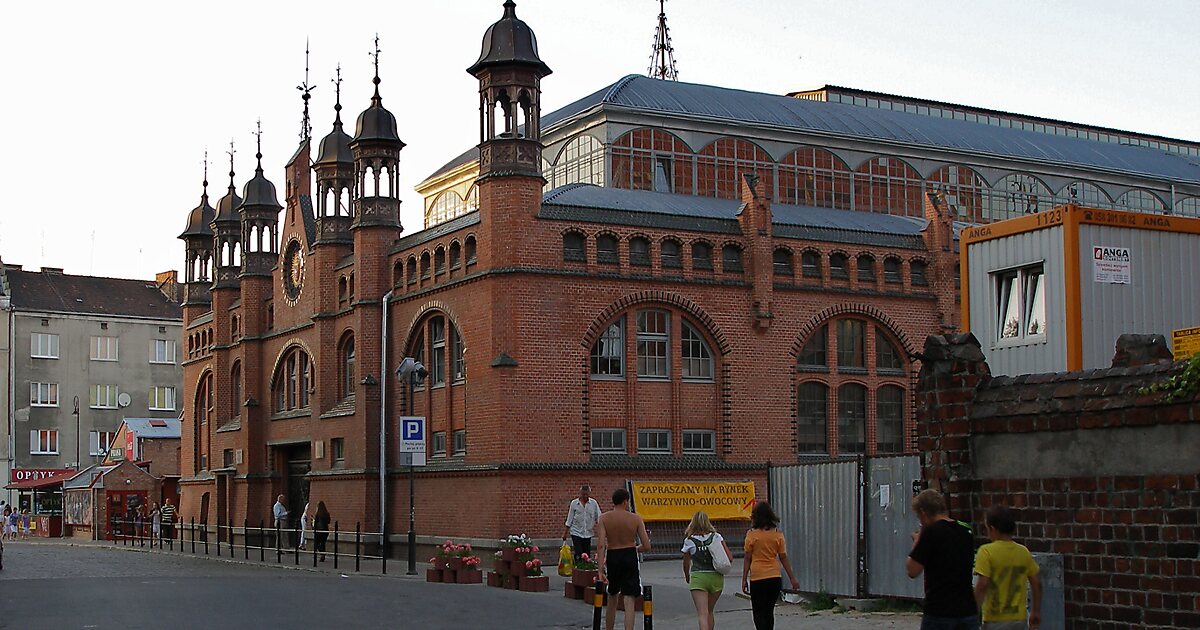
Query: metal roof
[[587, 202], [154, 428], [639, 93], [63, 293]]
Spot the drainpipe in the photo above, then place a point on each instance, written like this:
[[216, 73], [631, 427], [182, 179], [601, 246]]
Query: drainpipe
[[383, 387], [12, 388]]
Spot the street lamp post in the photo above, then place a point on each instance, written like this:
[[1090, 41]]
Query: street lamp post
[[412, 372], [77, 436]]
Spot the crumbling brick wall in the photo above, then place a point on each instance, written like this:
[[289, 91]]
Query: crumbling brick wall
[[1097, 470]]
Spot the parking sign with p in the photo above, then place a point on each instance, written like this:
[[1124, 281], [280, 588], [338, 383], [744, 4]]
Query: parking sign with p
[[412, 434]]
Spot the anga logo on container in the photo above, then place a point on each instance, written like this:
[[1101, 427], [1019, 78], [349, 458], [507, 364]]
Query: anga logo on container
[[679, 500]]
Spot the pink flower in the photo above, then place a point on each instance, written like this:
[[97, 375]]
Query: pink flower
[[584, 556], [535, 549], [529, 565]]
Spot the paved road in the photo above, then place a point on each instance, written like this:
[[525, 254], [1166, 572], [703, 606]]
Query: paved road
[[47, 585]]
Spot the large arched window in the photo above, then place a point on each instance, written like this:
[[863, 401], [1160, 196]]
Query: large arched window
[[652, 159], [654, 335], [963, 191], [346, 368], [1015, 195], [202, 416], [697, 357], [580, 161], [888, 185], [292, 381], [1084, 194], [1189, 207], [851, 383], [1138, 200], [437, 339], [720, 165], [814, 177], [445, 206]]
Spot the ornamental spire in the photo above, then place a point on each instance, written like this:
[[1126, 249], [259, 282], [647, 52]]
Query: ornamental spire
[[306, 94], [662, 58]]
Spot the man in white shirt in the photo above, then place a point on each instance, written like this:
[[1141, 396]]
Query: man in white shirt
[[280, 514], [581, 522]]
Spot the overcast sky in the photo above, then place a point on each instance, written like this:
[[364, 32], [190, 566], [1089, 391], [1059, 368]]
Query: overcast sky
[[109, 106]]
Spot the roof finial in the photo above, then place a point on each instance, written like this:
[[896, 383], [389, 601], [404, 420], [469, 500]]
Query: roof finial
[[204, 194], [306, 90], [258, 154], [662, 59], [376, 99], [230, 152], [510, 9], [337, 90]]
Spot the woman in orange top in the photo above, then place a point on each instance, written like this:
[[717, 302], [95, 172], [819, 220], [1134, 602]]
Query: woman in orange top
[[765, 552]]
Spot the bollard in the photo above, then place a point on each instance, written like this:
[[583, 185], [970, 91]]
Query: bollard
[[335, 544], [357, 546], [278, 548], [647, 607], [193, 528], [597, 604], [204, 533]]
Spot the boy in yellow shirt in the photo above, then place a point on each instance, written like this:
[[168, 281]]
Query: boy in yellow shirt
[[1002, 567]]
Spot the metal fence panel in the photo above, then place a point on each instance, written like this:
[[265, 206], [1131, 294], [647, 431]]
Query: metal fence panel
[[818, 511], [890, 523]]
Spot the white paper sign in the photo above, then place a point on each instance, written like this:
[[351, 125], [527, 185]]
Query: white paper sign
[[885, 495], [1111, 265]]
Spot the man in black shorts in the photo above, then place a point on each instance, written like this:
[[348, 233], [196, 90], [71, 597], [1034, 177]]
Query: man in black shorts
[[621, 534]]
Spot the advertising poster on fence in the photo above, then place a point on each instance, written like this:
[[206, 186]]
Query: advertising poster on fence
[[679, 500]]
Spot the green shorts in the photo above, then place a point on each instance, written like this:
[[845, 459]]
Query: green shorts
[[709, 581]]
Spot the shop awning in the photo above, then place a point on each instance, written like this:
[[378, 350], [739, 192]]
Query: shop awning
[[45, 482]]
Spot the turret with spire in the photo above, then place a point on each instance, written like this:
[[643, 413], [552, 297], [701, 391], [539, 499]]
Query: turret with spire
[[335, 178], [227, 234], [198, 242], [376, 149], [259, 212]]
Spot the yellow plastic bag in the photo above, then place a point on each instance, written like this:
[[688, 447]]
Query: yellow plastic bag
[[566, 561]]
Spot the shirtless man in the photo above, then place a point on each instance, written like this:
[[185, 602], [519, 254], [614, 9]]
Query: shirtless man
[[621, 534]]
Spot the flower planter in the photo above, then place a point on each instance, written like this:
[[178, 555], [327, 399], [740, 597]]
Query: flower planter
[[535, 583], [508, 554], [469, 576], [440, 562], [584, 578], [495, 580], [433, 575], [511, 582], [455, 563]]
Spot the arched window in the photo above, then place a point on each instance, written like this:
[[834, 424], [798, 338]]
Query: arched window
[[348, 373], [836, 360], [343, 290], [892, 270], [445, 206], [812, 412], [888, 185], [439, 261], [455, 256], [917, 269], [810, 263], [889, 419], [412, 269], [580, 161], [1084, 194], [670, 254], [470, 247], [852, 418], [697, 358], [425, 265], [398, 274], [814, 177], [839, 266], [292, 381], [235, 390], [270, 316], [1015, 195], [574, 247], [458, 363], [639, 251], [720, 165], [1138, 200], [436, 338], [606, 249], [652, 159], [437, 351], [866, 269], [417, 352], [963, 191], [235, 328], [1189, 207], [202, 417], [608, 353], [731, 258], [702, 256], [782, 262]]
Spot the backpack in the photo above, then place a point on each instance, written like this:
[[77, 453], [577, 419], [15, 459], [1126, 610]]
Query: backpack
[[712, 555]]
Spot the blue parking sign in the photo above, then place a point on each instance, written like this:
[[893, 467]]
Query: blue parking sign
[[412, 434]]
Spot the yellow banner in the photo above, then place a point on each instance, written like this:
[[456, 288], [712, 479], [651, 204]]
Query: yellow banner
[[1186, 342], [679, 500]]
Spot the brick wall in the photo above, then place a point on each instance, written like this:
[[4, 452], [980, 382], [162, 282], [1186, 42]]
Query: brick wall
[[1097, 471]]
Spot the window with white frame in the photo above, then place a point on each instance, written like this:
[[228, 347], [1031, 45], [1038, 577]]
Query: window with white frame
[[162, 351], [458, 365], [43, 346], [608, 440], [1020, 302], [654, 441], [653, 344], [608, 353], [697, 359], [460, 442], [43, 442], [103, 397], [99, 441], [43, 394], [104, 349], [162, 398], [437, 337], [439, 443], [699, 441]]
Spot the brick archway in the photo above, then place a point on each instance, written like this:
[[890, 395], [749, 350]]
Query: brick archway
[[816, 321], [423, 312], [660, 297]]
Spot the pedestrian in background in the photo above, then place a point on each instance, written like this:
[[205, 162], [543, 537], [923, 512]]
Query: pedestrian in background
[[25, 518], [1002, 567], [139, 521], [321, 528], [14, 524], [168, 518], [4, 528], [704, 581], [582, 515], [279, 514], [155, 522], [944, 550], [766, 551], [303, 525]]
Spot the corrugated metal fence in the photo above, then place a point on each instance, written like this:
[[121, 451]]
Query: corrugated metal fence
[[848, 524]]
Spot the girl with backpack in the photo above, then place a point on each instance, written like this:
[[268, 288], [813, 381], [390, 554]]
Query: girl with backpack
[[706, 559]]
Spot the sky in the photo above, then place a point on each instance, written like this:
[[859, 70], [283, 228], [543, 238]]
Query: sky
[[109, 107]]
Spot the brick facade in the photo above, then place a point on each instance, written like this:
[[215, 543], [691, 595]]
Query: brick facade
[[1097, 471]]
